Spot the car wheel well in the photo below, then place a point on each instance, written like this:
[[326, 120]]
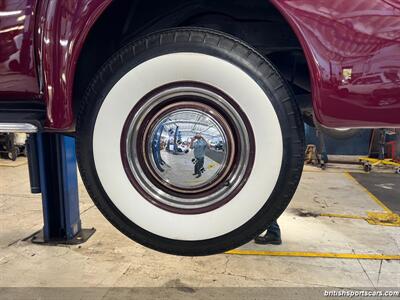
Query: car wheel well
[[125, 20]]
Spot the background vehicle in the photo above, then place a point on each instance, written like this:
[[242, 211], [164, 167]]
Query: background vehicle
[[370, 84], [183, 148], [108, 71]]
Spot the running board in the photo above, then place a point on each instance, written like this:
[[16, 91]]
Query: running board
[[21, 116]]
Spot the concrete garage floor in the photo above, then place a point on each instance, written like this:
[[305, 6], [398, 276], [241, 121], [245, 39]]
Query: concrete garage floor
[[180, 168], [109, 259]]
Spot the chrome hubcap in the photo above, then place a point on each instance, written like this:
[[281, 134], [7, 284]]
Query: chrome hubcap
[[187, 148]]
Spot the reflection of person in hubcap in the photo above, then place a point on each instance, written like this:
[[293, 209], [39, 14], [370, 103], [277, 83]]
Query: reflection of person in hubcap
[[199, 146]]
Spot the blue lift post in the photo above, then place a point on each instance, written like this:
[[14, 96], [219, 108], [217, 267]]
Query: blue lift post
[[53, 173]]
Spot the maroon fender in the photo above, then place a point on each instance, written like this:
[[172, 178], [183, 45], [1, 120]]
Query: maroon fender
[[63, 27], [352, 49], [18, 78], [353, 52]]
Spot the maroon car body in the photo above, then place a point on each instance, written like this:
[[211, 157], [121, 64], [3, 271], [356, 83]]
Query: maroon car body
[[41, 42], [125, 78]]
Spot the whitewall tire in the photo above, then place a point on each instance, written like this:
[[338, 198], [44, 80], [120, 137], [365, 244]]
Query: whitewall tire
[[197, 72]]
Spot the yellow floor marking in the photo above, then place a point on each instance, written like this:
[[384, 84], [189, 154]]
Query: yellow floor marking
[[376, 162], [373, 197], [344, 216], [387, 218], [384, 219], [315, 254], [373, 218]]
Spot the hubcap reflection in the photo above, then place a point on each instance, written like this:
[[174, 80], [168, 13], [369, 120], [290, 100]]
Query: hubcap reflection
[[187, 148]]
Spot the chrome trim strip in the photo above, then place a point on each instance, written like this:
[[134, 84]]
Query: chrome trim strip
[[18, 128]]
